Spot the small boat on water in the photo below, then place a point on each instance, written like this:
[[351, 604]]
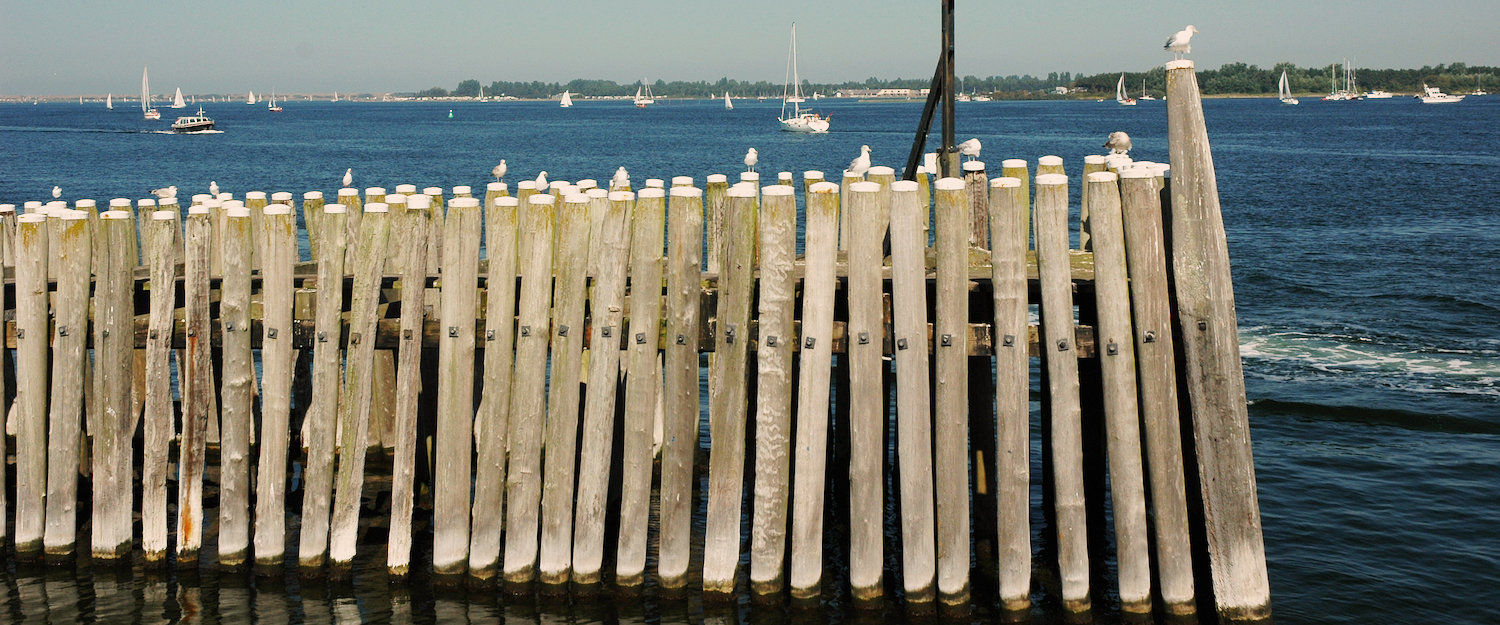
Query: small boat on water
[[147, 111], [799, 121], [1144, 95], [177, 102], [642, 101], [567, 99], [728, 106], [109, 101], [1121, 96], [193, 123], [1284, 92], [1348, 93], [250, 98], [1377, 94], [1433, 95], [271, 104]]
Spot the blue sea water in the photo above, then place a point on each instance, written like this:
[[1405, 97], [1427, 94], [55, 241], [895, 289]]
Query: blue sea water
[[1365, 239]]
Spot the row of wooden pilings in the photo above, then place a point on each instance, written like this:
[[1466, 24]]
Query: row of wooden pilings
[[580, 287]]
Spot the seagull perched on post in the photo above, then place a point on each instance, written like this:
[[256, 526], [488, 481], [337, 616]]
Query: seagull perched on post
[[165, 192], [541, 182], [861, 164], [499, 171], [751, 158], [56, 192], [621, 179], [213, 188], [1118, 143], [1179, 42], [348, 177], [970, 148]]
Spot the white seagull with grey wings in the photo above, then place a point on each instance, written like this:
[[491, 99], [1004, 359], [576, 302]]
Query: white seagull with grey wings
[[1180, 42]]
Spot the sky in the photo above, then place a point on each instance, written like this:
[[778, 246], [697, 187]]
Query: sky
[[84, 47]]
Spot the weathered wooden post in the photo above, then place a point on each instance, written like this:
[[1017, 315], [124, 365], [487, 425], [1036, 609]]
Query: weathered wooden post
[[32, 342], [196, 383], [951, 357], [73, 255], [1008, 242], [570, 266], [608, 304], [278, 233], [1091, 163], [1216, 379], [239, 377], [1155, 350], [322, 416], [1117, 372], [867, 411], [527, 407], [977, 182], [715, 186], [816, 355], [846, 200], [455, 420], [1061, 360], [728, 400], [641, 387], [354, 407], [773, 420], [412, 237], [680, 427], [1019, 169], [914, 413], [492, 424], [256, 202], [312, 218]]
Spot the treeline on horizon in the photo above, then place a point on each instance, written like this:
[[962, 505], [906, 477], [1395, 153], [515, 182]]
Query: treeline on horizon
[[1231, 78]]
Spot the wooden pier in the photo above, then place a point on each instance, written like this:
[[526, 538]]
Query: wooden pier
[[532, 366]]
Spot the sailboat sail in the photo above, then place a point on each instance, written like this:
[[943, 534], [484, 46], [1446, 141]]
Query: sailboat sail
[[567, 99], [1284, 91], [109, 101], [728, 106], [1121, 95], [641, 100], [177, 102], [146, 110], [791, 93]]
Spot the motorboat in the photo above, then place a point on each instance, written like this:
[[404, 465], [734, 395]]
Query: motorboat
[[193, 123]]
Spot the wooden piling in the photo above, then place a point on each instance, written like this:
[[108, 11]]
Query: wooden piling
[[32, 342], [196, 382], [437, 214], [950, 356], [455, 421], [1061, 361], [914, 413], [773, 420], [73, 255], [279, 248], [239, 374], [680, 429], [845, 201], [412, 238], [570, 266], [255, 202], [1154, 347], [715, 187], [1019, 169], [1216, 380], [527, 408], [1008, 241], [354, 407], [322, 415], [608, 303], [816, 357], [114, 313], [977, 183], [1117, 372], [641, 386], [312, 218], [1091, 163], [866, 408], [492, 424]]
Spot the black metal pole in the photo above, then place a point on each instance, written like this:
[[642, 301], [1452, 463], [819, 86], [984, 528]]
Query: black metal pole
[[947, 67], [934, 94]]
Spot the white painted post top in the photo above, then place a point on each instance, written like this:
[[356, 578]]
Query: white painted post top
[[540, 198], [395, 198], [865, 187], [687, 191], [596, 193], [823, 187], [465, 202], [274, 209], [238, 211], [233, 204], [348, 192], [11, 208], [812, 174], [741, 190], [526, 184], [776, 190], [652, 192], [621, 196], [119, 201], [169, 215], [949, 184], [1006, 182], [1052, 179], [374, 191], [496, 186], [587, 183], [199, 198], [576, 198], [407, 189], [1103, 176], [312, 195], [280, 197], [436, 191], [508, 201], [973, 166], [1093, 159], [376, 207], [201, 210], [749, 176], [655, 182], [880, 170], [682, 181], [418, 202], [114, 215], [31, 218], [255, 195], [458, 190], [82, 204], [1180, 64], [1137, 172], [712, 178], [335, 209], [1049, 161], [904, 186]]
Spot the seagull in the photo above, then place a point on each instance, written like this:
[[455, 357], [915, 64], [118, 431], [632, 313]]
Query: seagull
[[970, 148], [751, 158], [541, 182], [621, 179], [499, 171], [56, 192], [213, 188], [1118, 143], [1179, 42], [165, 192], [859, 165], [348, 177]]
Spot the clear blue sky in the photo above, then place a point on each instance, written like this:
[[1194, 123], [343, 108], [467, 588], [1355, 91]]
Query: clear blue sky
[[59, 47]]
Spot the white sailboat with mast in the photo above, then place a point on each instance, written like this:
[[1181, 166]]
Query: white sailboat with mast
[[799, 121], [146, 109], [1284, 91], [728, 106], [109, 101], [1120, 95], [642, 101], [567, 99], [177, 102]]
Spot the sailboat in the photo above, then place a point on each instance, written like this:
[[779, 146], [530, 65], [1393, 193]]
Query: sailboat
[[1347, 94], [109, 101], [146, 110], [641, 101], [1284, 91], [271, 105], [728, 106], [177, 102], [567, 99], [1144, 95], [1120, 95], [250, 98], [335, 96], [799, 121]]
